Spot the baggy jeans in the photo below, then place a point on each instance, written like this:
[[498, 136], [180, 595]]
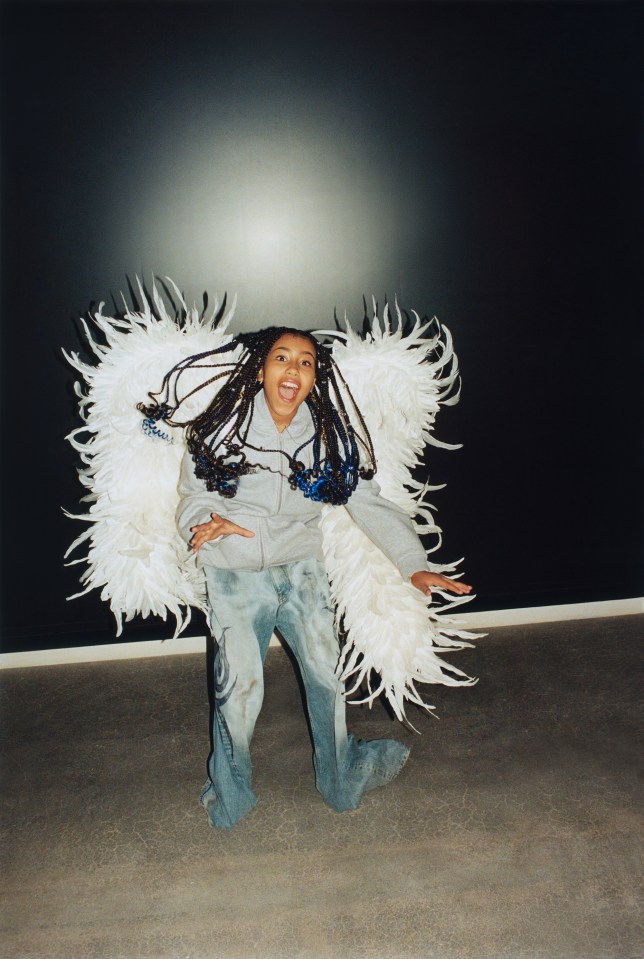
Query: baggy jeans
[[245, 609]]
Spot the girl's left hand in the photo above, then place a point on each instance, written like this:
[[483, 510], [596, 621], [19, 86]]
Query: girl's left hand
[[424, 581]]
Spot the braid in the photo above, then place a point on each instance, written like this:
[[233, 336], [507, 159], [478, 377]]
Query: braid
[[218, 437]]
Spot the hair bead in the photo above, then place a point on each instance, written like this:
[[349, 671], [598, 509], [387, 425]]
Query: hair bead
[[217, 437]]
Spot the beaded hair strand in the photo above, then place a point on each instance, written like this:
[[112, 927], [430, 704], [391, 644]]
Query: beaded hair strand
[[217, 437]]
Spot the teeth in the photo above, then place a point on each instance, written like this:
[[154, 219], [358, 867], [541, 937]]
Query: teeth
[[288, 390]]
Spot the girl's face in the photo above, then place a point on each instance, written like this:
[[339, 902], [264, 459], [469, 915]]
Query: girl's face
[[288, 376]]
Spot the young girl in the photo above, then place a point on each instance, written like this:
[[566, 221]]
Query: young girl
[[273, 447]]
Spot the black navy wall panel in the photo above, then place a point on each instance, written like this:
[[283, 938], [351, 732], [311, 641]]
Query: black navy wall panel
[[478, 161]]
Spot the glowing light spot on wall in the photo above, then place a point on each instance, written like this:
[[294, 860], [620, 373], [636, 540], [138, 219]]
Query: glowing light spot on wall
[[268, 236], [295, 225]]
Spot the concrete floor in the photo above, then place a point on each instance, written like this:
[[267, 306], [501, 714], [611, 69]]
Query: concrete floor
[[513, 832]]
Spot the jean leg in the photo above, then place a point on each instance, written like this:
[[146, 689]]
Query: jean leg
[[345, 767], [243, 609]]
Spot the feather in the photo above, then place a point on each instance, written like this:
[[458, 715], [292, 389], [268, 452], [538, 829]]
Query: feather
[[399, 383], [137, 560], [136, 557]]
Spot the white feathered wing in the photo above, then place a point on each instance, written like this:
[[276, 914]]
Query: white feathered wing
[[136, 556], [398, 382]]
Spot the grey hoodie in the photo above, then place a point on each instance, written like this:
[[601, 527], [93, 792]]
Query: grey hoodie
[[285, 523]]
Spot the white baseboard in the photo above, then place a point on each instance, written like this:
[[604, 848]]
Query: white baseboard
[[173, 647], [555, 614]]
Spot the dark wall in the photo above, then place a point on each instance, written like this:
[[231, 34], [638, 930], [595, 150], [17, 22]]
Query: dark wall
[[481, 161]]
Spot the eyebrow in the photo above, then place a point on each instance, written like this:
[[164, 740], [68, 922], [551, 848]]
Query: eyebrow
[[288, 349]]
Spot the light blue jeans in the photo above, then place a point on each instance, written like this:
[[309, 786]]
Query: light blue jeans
[[245, 609]]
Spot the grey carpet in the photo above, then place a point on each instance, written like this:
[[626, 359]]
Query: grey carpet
[[513, 832]]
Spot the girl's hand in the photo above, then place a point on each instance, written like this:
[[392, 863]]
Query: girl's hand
[[216, 527], [424, 580]]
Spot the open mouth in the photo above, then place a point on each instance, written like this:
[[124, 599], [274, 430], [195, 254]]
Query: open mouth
[[288, 390]]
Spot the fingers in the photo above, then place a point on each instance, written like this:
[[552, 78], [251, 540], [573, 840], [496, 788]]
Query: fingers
[[215, 529], [425, 581], [455, 586], [240, 530]]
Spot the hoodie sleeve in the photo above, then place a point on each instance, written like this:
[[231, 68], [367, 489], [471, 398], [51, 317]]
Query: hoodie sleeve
[[388, 527], [196, 503]]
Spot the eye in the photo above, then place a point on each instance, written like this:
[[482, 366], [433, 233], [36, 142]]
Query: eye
[[306, 363]]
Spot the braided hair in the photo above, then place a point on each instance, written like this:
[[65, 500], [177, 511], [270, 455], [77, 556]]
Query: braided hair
[[217, 438]]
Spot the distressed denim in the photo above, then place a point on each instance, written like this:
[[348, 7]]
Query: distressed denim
[[246, 607]]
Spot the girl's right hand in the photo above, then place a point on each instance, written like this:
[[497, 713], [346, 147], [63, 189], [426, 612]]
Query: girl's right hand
[[216, 527]]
